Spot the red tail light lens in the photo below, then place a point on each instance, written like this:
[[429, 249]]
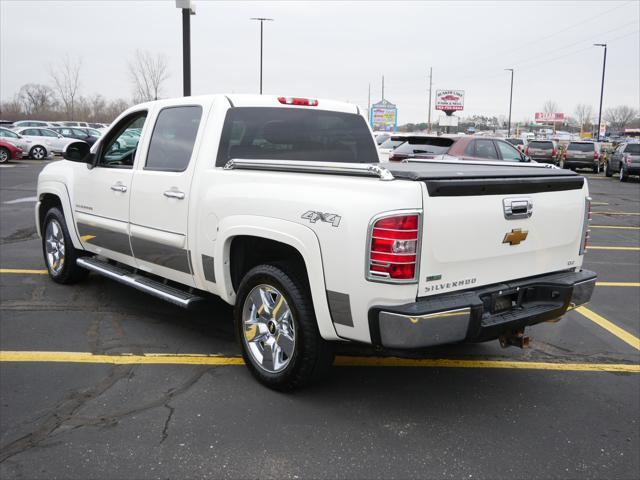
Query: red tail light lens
[[526, 152], [585, 226], [627, 159], [596, 155], [308, 102], [553, 152], [393, 248]]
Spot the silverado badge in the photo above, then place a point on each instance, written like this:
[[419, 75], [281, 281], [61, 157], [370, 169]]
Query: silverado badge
[[515, 236]]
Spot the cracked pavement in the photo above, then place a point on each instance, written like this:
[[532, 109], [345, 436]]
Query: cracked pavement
[[81, 421]]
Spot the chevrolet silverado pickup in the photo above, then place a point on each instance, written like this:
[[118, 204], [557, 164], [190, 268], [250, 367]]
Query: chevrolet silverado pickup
[[279, 206]]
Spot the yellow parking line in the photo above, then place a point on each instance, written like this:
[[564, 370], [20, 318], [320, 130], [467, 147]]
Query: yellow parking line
[[614, 227], [618, 284], [197, 359], [601, 247], [610, 327], [23, 271]]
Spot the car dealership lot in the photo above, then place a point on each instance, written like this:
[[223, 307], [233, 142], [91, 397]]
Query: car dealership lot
[[98, 380]]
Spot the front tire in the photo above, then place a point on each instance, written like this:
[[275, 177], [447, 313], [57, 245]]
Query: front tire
[[277, 330], [59, 253], [5, 155], [38, 152]]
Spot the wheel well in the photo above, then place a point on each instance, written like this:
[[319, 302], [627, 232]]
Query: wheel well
[[247, 252], [47, 201]]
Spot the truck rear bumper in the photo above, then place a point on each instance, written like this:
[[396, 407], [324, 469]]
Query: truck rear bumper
[[480, 314]]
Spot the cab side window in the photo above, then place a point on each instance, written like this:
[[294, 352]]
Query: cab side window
[[119, 148], [173, 138], [508, 153]]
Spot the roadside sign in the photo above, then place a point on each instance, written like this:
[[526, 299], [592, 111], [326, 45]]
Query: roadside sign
[[448, 121], [543, 117], [449, 100], [384, 117]]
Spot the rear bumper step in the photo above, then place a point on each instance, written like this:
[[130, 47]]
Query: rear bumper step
[[481, 314], [157, 289]]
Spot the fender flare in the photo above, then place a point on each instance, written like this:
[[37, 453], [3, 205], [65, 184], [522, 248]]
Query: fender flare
[[58, 189], [297, 236]]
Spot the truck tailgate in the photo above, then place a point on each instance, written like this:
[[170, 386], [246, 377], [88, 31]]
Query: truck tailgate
[[480, 231]]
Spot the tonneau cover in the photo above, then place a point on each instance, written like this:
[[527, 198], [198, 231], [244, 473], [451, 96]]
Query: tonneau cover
[[458, 170]]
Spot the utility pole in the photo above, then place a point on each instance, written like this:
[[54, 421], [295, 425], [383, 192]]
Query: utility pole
[[604, 65], [188, 9], [510, 101], [430, 85], [261, 20]]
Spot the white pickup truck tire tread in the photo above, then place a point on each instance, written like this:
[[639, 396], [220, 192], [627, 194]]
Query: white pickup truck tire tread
[[59, 253], [312, 356]]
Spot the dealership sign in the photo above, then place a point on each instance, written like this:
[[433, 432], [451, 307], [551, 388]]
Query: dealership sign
[[449, 100], [384, 117], [542, 117]]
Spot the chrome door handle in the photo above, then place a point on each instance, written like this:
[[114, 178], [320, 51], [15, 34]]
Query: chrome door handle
[[118, 188], [174, 194]]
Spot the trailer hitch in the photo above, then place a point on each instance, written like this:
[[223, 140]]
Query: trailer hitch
[[515, 338]]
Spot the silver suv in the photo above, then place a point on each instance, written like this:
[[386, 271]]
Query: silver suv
[[625, 161]]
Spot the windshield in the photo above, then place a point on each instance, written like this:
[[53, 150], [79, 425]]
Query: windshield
[[8, 134], [634, 149], [295, 134], [428, 145], [581, 147]]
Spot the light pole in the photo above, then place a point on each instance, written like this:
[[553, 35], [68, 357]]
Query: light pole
[[510, 101], [261, 20], [188, 8], [604, 65]]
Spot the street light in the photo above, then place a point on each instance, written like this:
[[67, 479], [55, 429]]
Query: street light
[[261, 20], [510, 101], [188, 8], [604, 64]]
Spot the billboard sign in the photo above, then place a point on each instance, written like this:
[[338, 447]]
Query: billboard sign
[[449, 100], [542, 117], [384, 117]]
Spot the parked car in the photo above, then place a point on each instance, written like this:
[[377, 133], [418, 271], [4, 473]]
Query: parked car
[[429, 147], [44, 141], [77, 133], [14, 138], [381, 137], [517, 142], [389, 145], [73, 124], [542, 151], [402, 256], [30, 123], [582, 155], [8, 151], [625, 161]]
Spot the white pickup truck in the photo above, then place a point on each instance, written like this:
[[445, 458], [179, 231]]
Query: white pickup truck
[[279, 206]]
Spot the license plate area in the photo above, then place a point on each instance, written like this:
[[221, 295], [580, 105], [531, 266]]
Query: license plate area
[[521, 298], [501, 302]]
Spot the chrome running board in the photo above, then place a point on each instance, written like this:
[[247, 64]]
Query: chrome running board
[[140, 282]]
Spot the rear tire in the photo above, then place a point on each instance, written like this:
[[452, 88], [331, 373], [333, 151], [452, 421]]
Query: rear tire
[[59, 253], [277, 330], [38, 152], [596, 169], [623, 175], [5, 155], [607, 170]]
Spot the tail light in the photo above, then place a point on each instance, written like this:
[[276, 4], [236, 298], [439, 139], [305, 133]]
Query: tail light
[[308, 102], [627, 159], [397, 157], [553, 152], [585, 226], [596, 155], [393, 248], [526, 152]]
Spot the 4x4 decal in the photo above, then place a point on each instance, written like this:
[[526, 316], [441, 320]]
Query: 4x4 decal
[[314, 216]]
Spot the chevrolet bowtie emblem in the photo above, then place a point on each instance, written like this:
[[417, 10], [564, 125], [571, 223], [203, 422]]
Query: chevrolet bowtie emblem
[[515, 236]]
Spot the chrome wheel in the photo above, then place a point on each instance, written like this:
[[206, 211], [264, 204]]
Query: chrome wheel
[[54, 246], [38, 153], [4, 155], [268, 328]]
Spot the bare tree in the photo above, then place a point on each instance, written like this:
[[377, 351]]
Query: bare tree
[[147, 73], [66, 79], [583, 114], [36, 98], [11, 109], [620, 116], [113, 109], [550, 107]]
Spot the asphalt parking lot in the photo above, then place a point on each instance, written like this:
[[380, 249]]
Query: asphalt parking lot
[[102, 381]]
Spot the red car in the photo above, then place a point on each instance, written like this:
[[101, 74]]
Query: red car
[[424, 148], [8, 151]]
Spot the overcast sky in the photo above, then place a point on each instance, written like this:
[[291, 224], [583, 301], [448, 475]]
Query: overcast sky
[[335, 49]]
